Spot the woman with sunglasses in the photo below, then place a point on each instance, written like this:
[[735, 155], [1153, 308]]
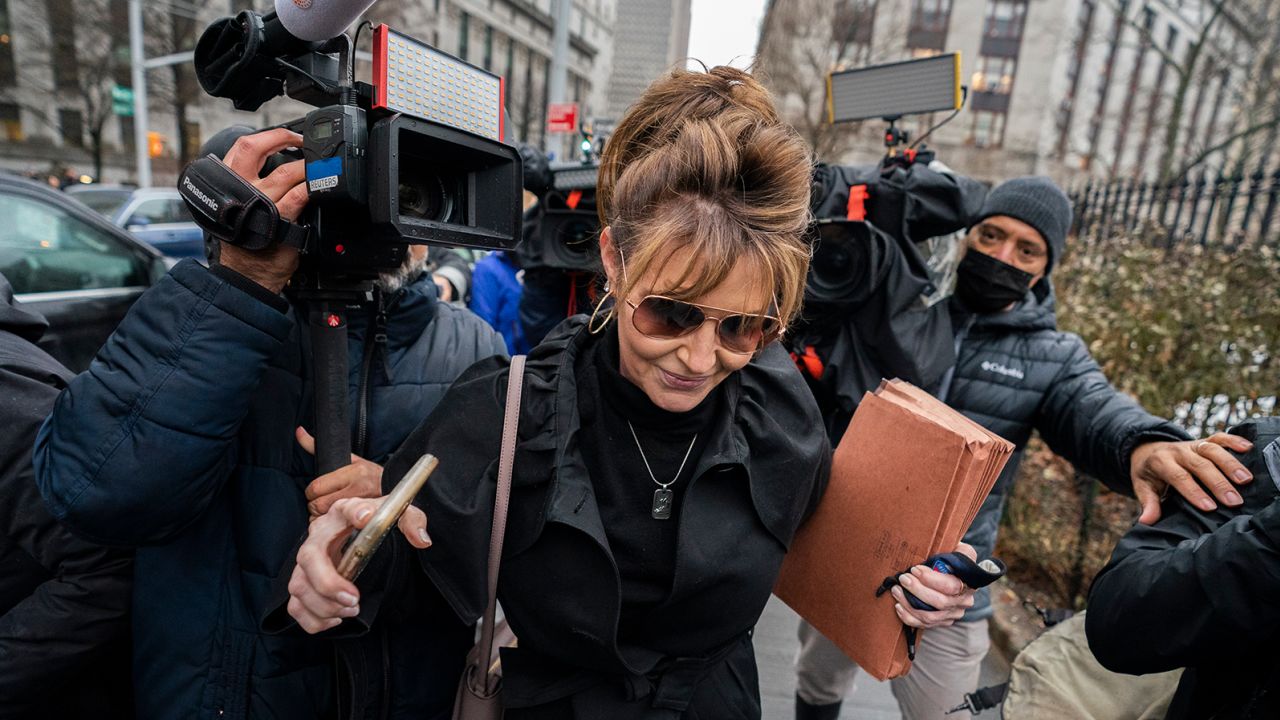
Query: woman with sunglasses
[[667, 451]]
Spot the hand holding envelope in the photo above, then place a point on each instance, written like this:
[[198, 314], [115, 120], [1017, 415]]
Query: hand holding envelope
[[907, 480]]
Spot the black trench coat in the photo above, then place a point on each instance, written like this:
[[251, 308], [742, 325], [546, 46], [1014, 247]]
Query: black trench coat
[[761, 475], [64, 602]]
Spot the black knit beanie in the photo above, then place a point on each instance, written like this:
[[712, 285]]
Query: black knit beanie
[[1036, 201]]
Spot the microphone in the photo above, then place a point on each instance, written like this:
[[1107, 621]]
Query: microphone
[[316, 20]]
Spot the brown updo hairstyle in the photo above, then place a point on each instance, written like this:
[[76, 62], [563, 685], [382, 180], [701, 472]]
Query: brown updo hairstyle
[[702, 161]]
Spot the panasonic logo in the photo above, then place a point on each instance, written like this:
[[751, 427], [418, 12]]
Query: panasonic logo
[[186, 183], [999, 369]]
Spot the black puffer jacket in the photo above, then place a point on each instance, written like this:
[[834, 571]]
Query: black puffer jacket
[[1201, 590], [1016, 372], [64, 603], [179, 439]]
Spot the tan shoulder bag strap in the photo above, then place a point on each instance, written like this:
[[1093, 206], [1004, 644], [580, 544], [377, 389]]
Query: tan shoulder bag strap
[[506, 461]]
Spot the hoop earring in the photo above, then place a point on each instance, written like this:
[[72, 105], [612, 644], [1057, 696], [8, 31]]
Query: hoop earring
[[592, 327]]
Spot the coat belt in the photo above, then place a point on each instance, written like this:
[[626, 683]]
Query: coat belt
[[531, 680], [673, 682]]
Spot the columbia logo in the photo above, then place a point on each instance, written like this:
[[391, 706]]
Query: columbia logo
[[999, 369]]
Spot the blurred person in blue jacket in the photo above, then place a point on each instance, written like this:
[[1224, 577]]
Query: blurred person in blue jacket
[[497, 285]]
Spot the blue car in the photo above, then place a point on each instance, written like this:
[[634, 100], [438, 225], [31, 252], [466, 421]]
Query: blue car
[[71, 265], [156, 216], [103, 199]]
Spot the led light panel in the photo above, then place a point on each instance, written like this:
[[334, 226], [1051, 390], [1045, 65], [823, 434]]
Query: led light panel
[[895, 89], [414, 78], [574, 178]]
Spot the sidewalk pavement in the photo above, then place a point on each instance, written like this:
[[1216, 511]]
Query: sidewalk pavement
[[776, 647]]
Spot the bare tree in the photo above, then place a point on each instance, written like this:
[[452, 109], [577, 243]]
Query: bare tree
[[801, 42], [56, 29], [183, 32], [1250, 55], [1256, 97], [73, 52]]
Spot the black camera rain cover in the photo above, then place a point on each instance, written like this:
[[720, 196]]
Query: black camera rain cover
[[886, 331], [911, 203], [228, 63]]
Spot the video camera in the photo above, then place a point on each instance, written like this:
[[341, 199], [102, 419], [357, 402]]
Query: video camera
[[563, 230], [919, 209], [416, 156], [902, 199]]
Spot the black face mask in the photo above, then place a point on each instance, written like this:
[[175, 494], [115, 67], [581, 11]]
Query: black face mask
[[986, 285]]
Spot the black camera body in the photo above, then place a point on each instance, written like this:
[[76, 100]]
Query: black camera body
[[859, 208], [415, 157], [563, 230], [335, 142]]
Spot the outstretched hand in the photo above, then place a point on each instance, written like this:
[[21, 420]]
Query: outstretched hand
[[1188, 467]]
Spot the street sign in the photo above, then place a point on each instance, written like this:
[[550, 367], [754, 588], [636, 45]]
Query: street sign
[[562, 117], [122, 100]]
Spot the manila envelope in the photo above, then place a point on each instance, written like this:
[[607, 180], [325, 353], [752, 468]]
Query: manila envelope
[[903, 486]]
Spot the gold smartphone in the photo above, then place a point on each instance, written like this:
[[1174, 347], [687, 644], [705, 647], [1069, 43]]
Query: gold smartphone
[[361, 548]]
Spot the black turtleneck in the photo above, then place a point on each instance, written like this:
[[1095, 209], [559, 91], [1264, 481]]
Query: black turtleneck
[[643, 547]]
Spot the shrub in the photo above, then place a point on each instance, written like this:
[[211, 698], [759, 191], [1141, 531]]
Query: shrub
[[1193, 334]]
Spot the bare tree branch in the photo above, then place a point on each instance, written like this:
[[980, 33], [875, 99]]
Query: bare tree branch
[[1146, 36], [1204, 154]]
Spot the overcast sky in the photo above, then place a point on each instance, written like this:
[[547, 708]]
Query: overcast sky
[[724, 32]]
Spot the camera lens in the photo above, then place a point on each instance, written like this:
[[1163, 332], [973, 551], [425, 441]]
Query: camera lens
[[577, 232], [426, 199], [831, 272], [569, 240]]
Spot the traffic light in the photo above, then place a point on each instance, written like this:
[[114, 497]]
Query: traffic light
[[155, 144]]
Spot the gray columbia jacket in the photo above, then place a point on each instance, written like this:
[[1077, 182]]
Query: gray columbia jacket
[[1016, 372]]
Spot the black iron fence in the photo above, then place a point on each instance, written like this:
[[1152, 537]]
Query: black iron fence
[[1204, 208]]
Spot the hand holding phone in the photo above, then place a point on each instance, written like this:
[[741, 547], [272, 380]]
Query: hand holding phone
[[362, 547]]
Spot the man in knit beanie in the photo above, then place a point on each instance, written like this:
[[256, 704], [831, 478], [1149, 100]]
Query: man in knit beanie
[[1037, 202], [1015, 373], [1019, 233]]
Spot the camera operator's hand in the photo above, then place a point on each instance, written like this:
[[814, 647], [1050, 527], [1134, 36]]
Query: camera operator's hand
[[287, 188], [360, 479]]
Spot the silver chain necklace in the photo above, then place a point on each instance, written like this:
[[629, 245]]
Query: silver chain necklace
[[663, 497]]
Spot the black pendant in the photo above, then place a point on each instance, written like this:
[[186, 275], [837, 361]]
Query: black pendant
[[662, 499]]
